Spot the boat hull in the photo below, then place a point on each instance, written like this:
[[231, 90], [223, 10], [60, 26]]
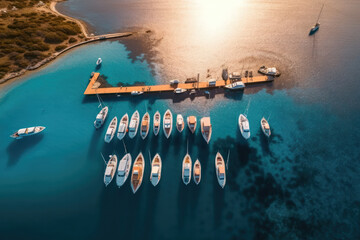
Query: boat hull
[[144, 133], [140, 163], [221, 182], [120, 180], [157, 120], [186, 161], [167, 130], [242, 119], [135, 117], [37, 130], [124, 120]]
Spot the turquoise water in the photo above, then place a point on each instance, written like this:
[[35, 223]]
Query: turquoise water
[[298, 184]]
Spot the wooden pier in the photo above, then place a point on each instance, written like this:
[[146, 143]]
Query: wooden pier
[[94, 86]]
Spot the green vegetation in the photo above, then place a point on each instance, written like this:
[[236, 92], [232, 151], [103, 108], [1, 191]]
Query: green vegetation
[[30, 33]]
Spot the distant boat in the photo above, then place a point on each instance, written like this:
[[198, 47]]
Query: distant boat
[[206, 129], [316, 27], [192, 92], [157, 120], [197, 172], [24, 132], [98, 62], [156, 166], [180, 123], [179, 90], [220, 170], [167, 123], [134, 124], [225, 75], [235, 76], [123, 126], [186, 169], [271, 71], [145, 125], [110, 169], [235, 86], [136, 93], [174, 81], [137, 173], [265, 127], [101, 117], [244, 126], [123, 170], [191, 122], [111, 130]]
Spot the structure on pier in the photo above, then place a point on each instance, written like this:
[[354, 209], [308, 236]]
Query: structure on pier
[[94, 86]]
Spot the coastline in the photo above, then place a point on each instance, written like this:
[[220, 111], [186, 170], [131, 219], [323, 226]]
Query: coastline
[[11, 77]]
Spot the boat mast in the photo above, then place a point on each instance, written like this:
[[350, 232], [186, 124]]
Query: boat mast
[[124, 145], [317, 21], [227, 160], [103, 158], [150, 157], [100, 103]]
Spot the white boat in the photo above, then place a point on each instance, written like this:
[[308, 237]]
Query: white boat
[[110, 133], [244, 126], [137, 172], [135, 93], [110, 169], [191, 122], [271, 71], [157, 120], [180, 123], [186, 169], [220, 170], [197, 172], [24, 132], [235, 86], [174, 81], [123, 170], [206, 128], [123, 126], [179, 90], [265, 127], [98, 62], [134, 124], [235, 76], [167, 123], [156, 166], [101, 117], [145, 125]]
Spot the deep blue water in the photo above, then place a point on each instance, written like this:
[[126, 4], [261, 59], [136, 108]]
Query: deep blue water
[[301, 184]]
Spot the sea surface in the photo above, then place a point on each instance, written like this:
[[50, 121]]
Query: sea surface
[[302, 183]]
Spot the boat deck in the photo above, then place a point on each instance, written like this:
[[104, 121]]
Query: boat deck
[[94, 86]]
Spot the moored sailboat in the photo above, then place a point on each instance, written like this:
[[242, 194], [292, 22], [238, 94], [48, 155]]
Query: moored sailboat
[[123, 170], [137, 173], [186, 169], [134, 124], [197, 172], [123, 127], [24, 132], [156, 166], [180, 123], [110, 132], [206, 129], [110, 169], [220, 169], [145, 125], [167, 123], [316, 27], [157, 120], [101, 117], [191, 122], [244, 126]]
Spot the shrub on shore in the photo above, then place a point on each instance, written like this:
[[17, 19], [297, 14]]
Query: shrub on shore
[[60, 47]]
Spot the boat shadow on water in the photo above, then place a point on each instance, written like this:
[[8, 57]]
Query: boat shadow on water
[[20, 146]]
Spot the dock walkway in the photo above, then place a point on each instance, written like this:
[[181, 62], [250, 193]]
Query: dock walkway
[[93, 87]]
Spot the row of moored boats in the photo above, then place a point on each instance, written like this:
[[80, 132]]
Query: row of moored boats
[[122, 170]]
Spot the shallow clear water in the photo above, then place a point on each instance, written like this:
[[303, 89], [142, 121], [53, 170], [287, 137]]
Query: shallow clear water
[[302, 184]]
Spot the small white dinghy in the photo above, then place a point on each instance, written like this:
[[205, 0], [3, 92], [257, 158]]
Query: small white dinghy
[[235, 86], [101, 117], [220, 170], [265, 127], [145, 125], [123, 127], [134, 124], [24, 132], [186, 169], [197, 172], [244, 126], [167, 123], [110, 169], [123, 170], [156, 166], [180, 123], [136, 93], [157, 120], [98, 62], [110, 133], [179, 90]]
